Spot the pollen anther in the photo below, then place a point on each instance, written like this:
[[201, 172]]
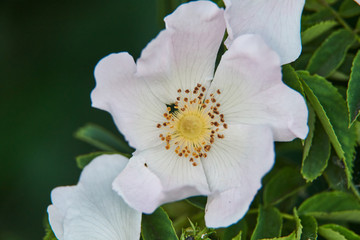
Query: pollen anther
[[192, 124]]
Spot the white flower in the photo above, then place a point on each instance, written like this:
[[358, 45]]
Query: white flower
[[91, 210], [278, 22], [357, 1], [197, 133]]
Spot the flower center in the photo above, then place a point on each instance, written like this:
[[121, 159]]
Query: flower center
[[193, 124]]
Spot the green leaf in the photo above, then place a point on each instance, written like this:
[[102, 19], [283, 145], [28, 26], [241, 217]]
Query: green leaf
[[194, 232], [302, 61], [345, 67], [295, 235], [335, 175], [349, 8], [237, 237], [235, 230], [353, 92], [317, 158], [357, 27], [310, 228], [269, 223], [292, 236], [85, 159], [331, 234], [329, 56], [315, 5], [197, 201], [357, 130], [339, 76], [157, 226], [220, 3], [282, 185], [330, 108], [337, 232], [317, 30], [299, 227], [310, 20], [291, 79], [49, 234], [102, 139], [334, 205], [310, 136]]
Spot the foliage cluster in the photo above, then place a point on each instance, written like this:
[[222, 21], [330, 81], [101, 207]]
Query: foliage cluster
[[313, 190]]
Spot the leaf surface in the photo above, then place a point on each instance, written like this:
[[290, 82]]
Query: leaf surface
[[157, 226], [283, 184], [103, 139], [334, 205], [353, 91], [331, 53], [310, 228], [317, 30], [269, 223], [291, 79], [337, 232], [349, 8], [85, 159], [197, 201], [330, 107], [316, 160]]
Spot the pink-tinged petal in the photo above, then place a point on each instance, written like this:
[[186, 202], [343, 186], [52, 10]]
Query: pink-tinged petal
[[156, 176], [278, 22], [184, 53], [249, 76], [91, 209], [135, 110], [234, 168], [357, 1]]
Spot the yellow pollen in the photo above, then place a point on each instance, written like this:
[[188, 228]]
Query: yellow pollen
[[191, 123], [191, 126]]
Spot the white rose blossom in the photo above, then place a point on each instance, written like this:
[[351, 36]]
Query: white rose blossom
[[196, 132], [278, 22], [91, 209]]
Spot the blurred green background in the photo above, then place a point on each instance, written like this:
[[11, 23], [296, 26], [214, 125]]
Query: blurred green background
[[48, 51]]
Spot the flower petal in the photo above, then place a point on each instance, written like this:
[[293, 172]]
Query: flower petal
[[249, 76], [184, 54], [128, 99], [278, 22], [156, 176], [91, 209], [234, 168]]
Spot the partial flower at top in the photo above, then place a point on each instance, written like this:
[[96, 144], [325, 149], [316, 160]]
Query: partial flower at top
[[91, 209], [197, 133], [278, 22], [357, 1]]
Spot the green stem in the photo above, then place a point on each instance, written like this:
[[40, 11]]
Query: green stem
[[287, 216], [253, 211]]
